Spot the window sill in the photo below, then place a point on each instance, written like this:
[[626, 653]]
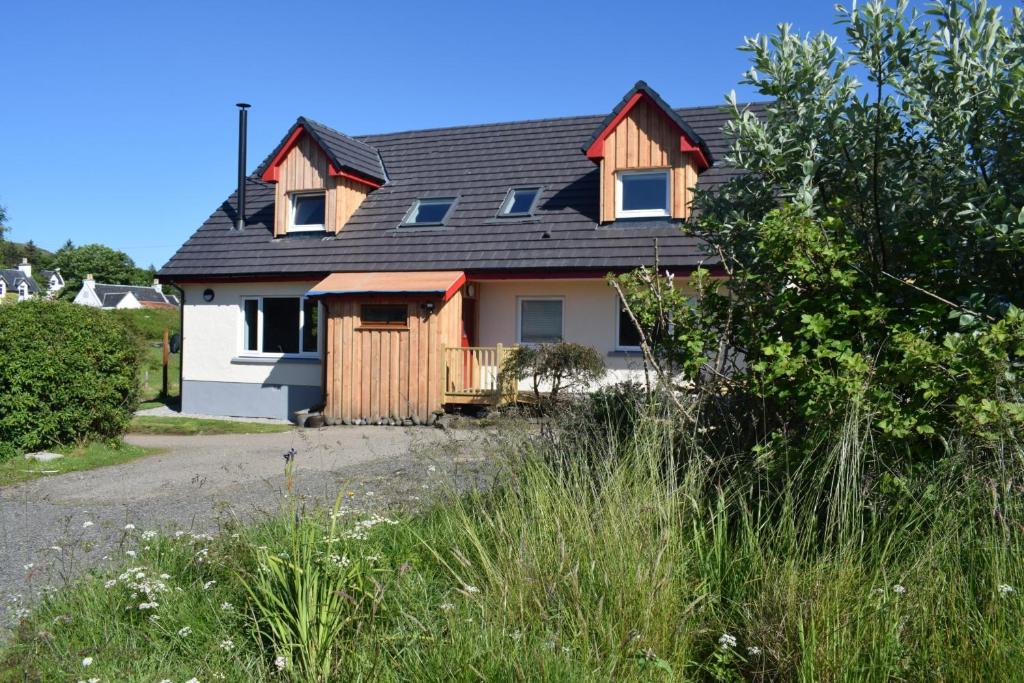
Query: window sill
[[623, 353], [274, 360]]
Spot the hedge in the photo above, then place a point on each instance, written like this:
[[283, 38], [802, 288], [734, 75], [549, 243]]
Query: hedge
[[68, 374]]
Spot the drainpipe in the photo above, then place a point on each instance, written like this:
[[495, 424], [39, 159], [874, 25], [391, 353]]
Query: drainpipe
[[181, 348]]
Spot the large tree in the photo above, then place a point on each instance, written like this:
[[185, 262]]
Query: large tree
[[876, 243], [103, 263]]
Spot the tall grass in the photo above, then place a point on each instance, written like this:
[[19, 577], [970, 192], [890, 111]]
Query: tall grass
[[628, 555]]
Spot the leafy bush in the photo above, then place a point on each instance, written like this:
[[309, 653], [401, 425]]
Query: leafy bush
[[68, 373], [558, 368], [875, 245]]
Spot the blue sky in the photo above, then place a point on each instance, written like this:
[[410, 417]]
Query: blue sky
[[117, 122]]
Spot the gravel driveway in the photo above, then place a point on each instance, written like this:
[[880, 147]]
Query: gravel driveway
[[52, 529]]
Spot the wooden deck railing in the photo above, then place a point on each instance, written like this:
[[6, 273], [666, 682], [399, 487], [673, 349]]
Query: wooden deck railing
[[472, 374]]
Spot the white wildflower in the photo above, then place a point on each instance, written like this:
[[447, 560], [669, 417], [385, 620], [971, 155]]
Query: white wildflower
[[148, 605], [154, 618], [227, 606], [110, 584], [470, 589], [165, 576], [87, 661], [129, 527], [727, 641], [86, 524], [1006, 589], [130, 553], [753, 650], [208, 585], [446, 606], [192, 680], [899, 589], [227, 645], [148, 535], [185, 631], [279, 663], [28, 567]]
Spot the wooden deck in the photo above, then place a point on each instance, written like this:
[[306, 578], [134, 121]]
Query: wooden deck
[[472, 375]]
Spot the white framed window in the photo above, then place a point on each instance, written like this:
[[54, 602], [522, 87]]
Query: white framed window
[[309, 210], [520, 201], [642, 194], [540, 320], [429, 211], [627, 338], [3, 288], [280, 326]]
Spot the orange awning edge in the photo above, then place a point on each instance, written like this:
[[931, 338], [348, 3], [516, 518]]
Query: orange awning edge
[[443, 283]]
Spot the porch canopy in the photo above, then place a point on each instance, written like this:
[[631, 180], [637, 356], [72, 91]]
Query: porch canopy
[[443, 283]]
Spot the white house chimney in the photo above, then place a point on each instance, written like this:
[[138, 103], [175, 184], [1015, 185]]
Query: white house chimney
[[88, 281], [157, 286], [25, 267]]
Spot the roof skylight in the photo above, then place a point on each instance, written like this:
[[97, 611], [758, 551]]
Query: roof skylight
[[429, 211], [519, 201]]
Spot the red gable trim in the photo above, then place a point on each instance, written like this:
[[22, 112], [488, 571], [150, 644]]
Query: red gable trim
[[274, 169], [351, 176], [272, 174], [596, 150]]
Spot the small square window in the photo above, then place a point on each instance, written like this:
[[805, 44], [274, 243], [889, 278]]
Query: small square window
[[429, 211], [308, 212], [642, 194], [519, 201], [540, 321], [384, 315]]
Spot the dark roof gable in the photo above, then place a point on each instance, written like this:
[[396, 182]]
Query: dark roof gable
[[343, 152], [13, 277]]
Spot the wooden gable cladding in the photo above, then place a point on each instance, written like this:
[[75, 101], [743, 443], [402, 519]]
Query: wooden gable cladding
[[646, 139], [306, 168], [374, 372]]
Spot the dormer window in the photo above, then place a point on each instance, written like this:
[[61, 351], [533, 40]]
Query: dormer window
[[308, 212], [641, 194], [429, 212], [519, 201]]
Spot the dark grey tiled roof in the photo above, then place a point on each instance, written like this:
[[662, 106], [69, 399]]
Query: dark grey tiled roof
[[13, 277], [110, 295], [478, 164]]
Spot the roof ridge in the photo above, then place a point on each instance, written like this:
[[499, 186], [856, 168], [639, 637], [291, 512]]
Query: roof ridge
[[360, 137]]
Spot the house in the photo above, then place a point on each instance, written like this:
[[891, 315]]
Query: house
[[384, 275], [19, 281], [100, 295]]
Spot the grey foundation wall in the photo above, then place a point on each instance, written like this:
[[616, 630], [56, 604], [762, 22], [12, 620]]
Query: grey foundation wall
[[241, 399]]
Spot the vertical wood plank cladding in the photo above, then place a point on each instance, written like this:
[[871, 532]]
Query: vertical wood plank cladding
[[414, 362], [646, 139], [348, 196], [388, 373]]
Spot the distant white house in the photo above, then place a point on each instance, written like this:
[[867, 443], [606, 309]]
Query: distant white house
[[99, 295], [19, 280]]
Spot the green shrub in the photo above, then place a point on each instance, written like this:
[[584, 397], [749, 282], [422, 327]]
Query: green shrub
[[559, 368], [68, 373]]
